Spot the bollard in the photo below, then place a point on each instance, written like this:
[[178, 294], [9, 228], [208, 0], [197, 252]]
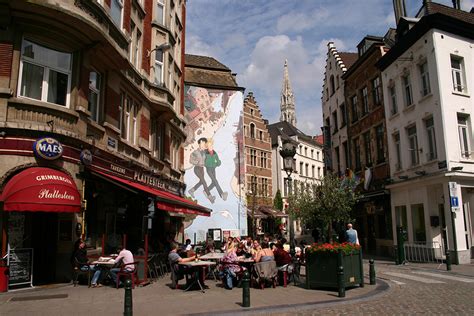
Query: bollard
[[372, 271], [246, 289], [448, 261], [128, 301], [340, 276]]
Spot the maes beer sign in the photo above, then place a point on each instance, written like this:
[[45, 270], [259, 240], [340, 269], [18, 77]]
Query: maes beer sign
[[48, 148]]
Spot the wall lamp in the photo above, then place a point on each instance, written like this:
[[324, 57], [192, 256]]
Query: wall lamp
[[421, 172], [403, 177], [162, 47], [458, 168]]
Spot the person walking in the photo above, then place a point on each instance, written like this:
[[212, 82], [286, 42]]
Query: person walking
[[211, 162], [197, 159], [351, 235]]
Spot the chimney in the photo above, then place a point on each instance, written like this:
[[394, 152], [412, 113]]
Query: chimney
[[457, 4], [399, 9]]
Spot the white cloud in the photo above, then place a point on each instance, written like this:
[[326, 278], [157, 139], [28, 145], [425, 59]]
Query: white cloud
[[297, 22], [195, 45]]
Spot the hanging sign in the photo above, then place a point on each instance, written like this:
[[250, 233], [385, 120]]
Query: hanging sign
[[48, 148]]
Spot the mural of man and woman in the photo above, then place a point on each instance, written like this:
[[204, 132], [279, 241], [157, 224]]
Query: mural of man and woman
[[206, 157]]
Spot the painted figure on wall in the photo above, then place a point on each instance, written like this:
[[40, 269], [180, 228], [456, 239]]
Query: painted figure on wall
[[212, 162], [198, 159]]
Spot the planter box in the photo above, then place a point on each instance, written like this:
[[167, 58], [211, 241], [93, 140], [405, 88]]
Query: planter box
[[321, 270]]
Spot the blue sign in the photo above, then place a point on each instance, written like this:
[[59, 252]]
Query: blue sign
[[454, 201], [48, 148]]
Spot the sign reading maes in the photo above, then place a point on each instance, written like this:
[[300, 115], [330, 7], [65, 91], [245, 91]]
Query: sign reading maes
[[21, 267]]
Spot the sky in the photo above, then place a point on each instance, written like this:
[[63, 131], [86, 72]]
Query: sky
[[254, 37]]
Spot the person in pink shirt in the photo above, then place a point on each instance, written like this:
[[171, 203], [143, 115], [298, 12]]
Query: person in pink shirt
[[125, 257]]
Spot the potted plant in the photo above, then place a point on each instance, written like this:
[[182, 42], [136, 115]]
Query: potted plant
[[323, 260]]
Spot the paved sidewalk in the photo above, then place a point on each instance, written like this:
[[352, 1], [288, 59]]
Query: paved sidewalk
[[158, 298]]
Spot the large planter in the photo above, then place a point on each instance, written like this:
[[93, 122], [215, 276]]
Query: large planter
[[322, 268]]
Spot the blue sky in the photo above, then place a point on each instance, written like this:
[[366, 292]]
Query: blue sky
[[254, 37]]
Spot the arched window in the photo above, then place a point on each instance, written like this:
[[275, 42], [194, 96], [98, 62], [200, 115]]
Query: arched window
[[332, 84], [252, 130]]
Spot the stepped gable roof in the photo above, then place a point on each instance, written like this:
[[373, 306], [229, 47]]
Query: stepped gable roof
[[208, 72]]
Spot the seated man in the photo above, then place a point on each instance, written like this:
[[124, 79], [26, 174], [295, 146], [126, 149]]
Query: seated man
[[174, 258], [125, 257], [81, 261]]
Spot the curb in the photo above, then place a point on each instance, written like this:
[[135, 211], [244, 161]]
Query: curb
[[380, 290]]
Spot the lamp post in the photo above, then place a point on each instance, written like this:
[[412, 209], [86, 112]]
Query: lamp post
[[288, 152]]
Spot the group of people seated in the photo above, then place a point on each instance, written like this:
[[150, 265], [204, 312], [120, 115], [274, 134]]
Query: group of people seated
[[81, 261]]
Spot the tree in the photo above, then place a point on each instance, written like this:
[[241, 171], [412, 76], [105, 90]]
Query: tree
[[331, 202], [278, 201]]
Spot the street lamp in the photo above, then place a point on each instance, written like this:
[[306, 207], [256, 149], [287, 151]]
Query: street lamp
[[162, 47], [288, 152]]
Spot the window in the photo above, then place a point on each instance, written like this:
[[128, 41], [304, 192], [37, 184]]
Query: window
[[357, 153], [253, 185], [312, 153], [418, 221], [128, 119], [116, 12], [265, 187], [413, 145], [379, 135], [301, 168], [401, 218], [317, 155], [457, 72], [260, 135], [355, 115], [156, 139], [343, 115], [253, 157], [398, 153], [137, 52], [160, 12], [334, 119], [346, 154], [393, 100], [338, 159], [425, 79], [174, 153], [306, 151], [94, 95], [376, 92], [333, 89], [306, 169], [252, 130], [430, 134], [251, 112], [263, 159], [312, 171], [45, 74], [464, 139], [365, 101], [367, 149], [319, 172], [159, 66], [407, 90]]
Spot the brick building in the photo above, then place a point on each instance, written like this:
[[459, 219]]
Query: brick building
[[368, 146], [91, 116]]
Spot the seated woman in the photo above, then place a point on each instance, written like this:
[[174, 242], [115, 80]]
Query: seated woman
[[230, 269], [82, 262], [282, 258], [265, 254]]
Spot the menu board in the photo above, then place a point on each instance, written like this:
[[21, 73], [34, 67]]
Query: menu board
[[21, 266]]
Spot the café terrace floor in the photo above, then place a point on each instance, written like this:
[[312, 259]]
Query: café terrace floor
[[158, 299]]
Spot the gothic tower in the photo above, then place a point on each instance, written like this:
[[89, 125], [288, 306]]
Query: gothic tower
[[287, 100]]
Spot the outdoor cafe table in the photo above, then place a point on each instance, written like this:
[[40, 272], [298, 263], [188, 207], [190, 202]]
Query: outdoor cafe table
[[105, 264], [213, 256], [198, 267]]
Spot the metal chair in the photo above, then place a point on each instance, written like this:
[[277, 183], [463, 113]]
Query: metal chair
[[130, 273], [263, 272], [78, 271]]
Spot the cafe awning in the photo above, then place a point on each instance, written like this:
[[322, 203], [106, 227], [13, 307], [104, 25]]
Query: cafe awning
[[165, 201], [41, 189]]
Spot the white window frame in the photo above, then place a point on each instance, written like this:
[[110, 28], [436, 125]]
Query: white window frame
[[46, 71], [431, 139], [458, 75], [138, 48], [156, 139], [159, 64], [376, 90], [120, 3], [393, 99], [398, 151], [424, 79], [464, 136], [407, 90], [161, 20], [365, 101], [413, 145], [128, 115], [95, 116]]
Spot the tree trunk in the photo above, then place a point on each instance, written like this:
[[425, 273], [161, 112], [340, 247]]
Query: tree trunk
[[330, 231]]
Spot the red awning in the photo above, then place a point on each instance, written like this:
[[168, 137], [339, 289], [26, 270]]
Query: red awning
[[165, 201], [41, 189]]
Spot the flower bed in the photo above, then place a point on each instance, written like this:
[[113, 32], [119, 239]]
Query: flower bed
[[322, 264]]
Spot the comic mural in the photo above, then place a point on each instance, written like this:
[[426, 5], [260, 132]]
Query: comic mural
[[213, 159]]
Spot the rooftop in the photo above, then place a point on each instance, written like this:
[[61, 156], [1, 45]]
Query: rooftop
[[208, 72]]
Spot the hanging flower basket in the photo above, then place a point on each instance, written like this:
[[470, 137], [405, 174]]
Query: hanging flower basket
[[322, 264]]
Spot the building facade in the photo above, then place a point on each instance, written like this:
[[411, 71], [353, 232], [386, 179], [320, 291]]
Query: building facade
[[91, 106], [368, 147], [427, 82], [335, 115]]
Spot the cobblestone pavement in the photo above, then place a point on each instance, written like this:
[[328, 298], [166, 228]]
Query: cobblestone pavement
[[413, 290]]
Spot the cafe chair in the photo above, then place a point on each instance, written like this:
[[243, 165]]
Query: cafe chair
[[264, 272], [152, 268], [288, 270], [78, 271], [132, 274]]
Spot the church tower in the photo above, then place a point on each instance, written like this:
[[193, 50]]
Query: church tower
[[287, 100]]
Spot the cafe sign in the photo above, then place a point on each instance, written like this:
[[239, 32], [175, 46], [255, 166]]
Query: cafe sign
[[48, 148]]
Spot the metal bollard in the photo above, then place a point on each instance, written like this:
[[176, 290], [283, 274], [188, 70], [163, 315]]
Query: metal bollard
[[372, 271], [246, 289], [448, 261], [128, 301], [340, 276]]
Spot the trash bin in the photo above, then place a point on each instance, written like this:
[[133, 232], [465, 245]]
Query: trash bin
[[4, 275]]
